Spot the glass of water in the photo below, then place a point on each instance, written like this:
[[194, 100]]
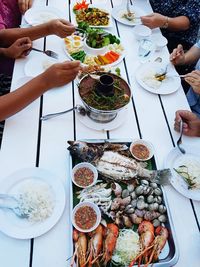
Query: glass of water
[[145, 50]]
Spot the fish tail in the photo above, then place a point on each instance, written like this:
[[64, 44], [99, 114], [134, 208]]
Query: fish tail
[[162, 177]]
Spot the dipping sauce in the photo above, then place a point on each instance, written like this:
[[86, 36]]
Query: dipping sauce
[[140, 151], [85, 217], [84, 176]]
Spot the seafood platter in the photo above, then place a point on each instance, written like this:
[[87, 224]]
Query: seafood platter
[[94, 47], [94, 15], [135, 227]]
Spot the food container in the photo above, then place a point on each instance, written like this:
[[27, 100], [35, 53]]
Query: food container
[[145, 147], [92, 170], [95, 210], [104, 116], [170, 253], [142, 32], [94, 51]]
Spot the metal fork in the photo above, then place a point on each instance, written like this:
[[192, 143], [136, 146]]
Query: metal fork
[[179, 141], [49, 53]]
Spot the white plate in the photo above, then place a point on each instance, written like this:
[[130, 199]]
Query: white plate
[[118, 121], [36, 62], [15, 227], [174, 159], [102, 7], [168, 86], [121, 57], [39, 15], [118, 11]]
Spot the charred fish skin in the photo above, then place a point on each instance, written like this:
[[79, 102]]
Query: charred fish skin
[[114, 166], [90, 152], [84, 151]]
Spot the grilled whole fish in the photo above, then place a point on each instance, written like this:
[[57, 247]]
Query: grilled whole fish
[[113, 166]]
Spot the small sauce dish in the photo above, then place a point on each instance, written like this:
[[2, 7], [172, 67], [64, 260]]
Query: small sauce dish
[[142, 32], [141, 150], [86, 216], [84, 175]]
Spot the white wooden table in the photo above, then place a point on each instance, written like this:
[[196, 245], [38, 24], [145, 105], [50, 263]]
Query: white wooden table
[[28, 142]]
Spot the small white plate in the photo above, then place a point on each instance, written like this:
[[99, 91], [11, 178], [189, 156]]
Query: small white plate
[[118, 11], [168, 86], [42, 14], [175, 159], [36, 64], [102, 7], [114, 124], [18, 228]]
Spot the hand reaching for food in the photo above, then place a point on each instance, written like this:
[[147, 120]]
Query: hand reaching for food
[[61, 27], [191, 125], [61, 73], [177, 57], [193, 78]]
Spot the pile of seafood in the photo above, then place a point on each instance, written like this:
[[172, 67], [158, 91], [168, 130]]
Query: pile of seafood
[[98, 247], [129, 197]]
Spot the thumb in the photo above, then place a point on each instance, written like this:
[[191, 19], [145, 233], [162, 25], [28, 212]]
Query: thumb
[[187, 115]]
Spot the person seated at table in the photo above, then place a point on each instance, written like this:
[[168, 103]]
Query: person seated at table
[[10, 17], [178, 57], [191, 123], [178, 19]]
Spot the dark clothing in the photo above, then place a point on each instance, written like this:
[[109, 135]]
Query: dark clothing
[[175, 8]]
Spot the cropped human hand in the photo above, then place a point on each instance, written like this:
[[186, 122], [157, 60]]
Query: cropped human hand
[[191, 123], [61, 73], [19, 48], [60, 27], [177, 57], [24, 5], [153, 20], [193, 78]]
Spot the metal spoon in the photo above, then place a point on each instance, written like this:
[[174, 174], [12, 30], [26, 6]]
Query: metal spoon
[[179, 141], [80, 109], [129, 15]]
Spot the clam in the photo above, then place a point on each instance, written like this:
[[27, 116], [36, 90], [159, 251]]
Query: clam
[[162, 208], [156, 222], [140, 204], [139, 190], [150, 199], [131, 188], [134, 203], [158, 199], [153, 185], [144, 182], [153, 206], [133, 195], [162, 218], [125, 193], [157, 191]]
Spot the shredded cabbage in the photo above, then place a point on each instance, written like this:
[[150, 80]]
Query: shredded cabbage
[[127, 247]]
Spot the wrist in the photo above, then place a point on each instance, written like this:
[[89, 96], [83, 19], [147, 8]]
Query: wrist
[[3, 52], [165, 24]]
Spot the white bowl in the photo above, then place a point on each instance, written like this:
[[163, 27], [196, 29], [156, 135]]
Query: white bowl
[[146, 144], [95, 208], [142, 32], [160, 42], [94, 51], [85, 165]]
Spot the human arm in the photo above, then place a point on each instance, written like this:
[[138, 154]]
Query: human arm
[[193, 78], [59, 27], [18, 49], [57, 75], [156, 20], [191, 123], [178, 57], [24, 5]]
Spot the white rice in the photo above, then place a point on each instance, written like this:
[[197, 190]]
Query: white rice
[[36, 200]]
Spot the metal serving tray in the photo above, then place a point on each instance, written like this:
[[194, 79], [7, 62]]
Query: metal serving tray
[[170, 253]]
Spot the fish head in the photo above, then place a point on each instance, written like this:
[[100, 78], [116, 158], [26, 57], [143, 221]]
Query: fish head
[[84, 151]]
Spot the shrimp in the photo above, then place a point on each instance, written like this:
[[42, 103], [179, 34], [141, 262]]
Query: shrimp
[[146, 232], [95, 245], [111, 234], [80, 241]]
